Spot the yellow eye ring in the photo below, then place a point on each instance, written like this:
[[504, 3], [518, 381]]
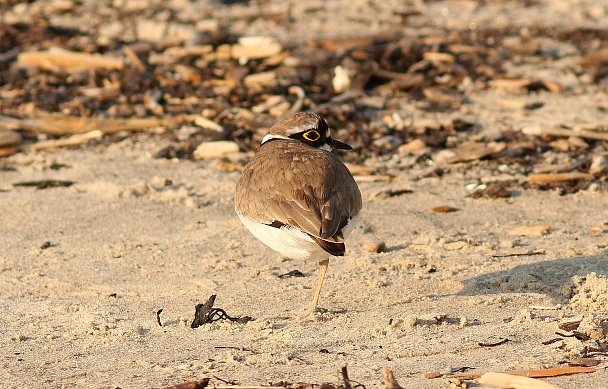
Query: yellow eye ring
[[312, 135]]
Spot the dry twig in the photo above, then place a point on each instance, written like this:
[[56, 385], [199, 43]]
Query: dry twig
[[580, 133], [69, 125]]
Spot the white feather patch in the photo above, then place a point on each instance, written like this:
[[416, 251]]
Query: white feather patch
[[289, 241]]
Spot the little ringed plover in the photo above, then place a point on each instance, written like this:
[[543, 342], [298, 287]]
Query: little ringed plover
[[296, 196]]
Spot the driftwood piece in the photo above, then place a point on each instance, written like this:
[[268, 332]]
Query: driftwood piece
[[57, 59], [68, 125], [9, 138], [504, 83], [73, 140], [515, 382], [577, 132], [200, 384], [560, 177], [6, 151], [530, 230], [255, 47], [541, 373]]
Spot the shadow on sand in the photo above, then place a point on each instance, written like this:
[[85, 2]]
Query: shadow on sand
[[550, 277]]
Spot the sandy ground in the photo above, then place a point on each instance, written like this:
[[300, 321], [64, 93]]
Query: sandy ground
[[82, 312], [126, 242]]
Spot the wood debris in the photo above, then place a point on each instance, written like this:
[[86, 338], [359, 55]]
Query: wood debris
[[255, 47], [577, 132], [56, 59], [559, 177], [540, 373], [44, 184], [388, 192], [530, 84], [200, 384], [205, 313], [444, 209], [67, 125], [73, 140], [217, 149], [570, 324], [9, 138], [530, 230], [503, 380]]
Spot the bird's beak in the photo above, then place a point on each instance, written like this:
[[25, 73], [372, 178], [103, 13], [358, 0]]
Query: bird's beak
[[336, 144]]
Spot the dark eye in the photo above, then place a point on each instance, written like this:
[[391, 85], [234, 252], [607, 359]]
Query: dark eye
[[312, 135]]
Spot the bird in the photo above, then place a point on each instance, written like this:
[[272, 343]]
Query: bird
[[296, 195]]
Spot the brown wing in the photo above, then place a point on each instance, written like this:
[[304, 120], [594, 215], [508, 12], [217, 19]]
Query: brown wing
[[301, 186]]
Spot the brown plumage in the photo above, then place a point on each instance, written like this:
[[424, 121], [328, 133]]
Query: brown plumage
[[296, 196], [302, 186]]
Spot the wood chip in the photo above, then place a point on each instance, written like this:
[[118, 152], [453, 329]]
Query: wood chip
[[445, 97], [439, 57], [578, 132], [388, 192], [541, 373], [203, 122], [73, 140], [345, 43], [411, 147], [514, 382], [56, 59], [373, 178], [530, 231], [560, 177], [217, 149], [471, 151], [514, 84], [69, 125], [6, 151], [580, 361], [180, 52], [570, 324], [504, 83], [595, 58], [9, 138], [255, 47], [264, 79], [229, 167], [444, 209]]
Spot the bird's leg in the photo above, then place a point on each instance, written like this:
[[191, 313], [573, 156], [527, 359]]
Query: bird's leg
[[323, 265]]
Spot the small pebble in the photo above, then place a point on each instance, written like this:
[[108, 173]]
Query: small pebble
[[376, 247], [599, 165]]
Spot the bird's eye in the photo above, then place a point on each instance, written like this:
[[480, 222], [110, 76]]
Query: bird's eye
[[312, 135]]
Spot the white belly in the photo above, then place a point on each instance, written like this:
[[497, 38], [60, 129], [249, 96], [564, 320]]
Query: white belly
[[289, 241]]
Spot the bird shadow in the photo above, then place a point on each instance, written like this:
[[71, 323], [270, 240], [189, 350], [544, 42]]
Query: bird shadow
[[549, 277]]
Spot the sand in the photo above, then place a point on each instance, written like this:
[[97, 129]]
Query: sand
[[136, 234]]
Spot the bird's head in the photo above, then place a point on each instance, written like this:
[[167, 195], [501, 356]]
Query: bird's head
[[306, 127]]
